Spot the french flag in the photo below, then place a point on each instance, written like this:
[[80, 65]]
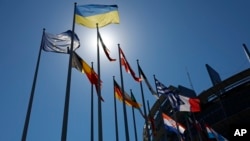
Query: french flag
[[171, 125], [189, 104]]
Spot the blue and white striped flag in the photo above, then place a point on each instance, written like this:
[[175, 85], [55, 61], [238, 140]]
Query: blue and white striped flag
[[161, 89]]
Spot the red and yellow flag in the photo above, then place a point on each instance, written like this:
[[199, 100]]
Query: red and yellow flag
[[127, 67], [83, 67], [130, 101]]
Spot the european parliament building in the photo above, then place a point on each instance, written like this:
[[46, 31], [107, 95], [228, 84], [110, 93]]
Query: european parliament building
[[223, 106]]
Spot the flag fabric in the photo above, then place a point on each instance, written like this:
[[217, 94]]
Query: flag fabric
[[212, 134], [127, 67], [171, 125], [190, 104], [161, 88], [246, 52], [83, 67], [178, 102], [59, 43], [139, 108], [183, 103], [143, 76], [130, 101], [175, 101], [92, 14], [195, 123], [105, 49]]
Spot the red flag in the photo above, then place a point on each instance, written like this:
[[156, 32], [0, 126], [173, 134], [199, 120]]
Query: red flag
[[190, 104], [105, 49], [130, 101], [83, 67], [128, 69]]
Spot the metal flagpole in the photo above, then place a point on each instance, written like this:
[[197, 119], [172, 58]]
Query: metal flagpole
[[177, 126], [149, 116], [100, 135], [27, 119], [115, 109], [144, 105], [193, 118], [156, 86], [123, 97], [92, 111], [192, 87], [133, 113], [188, 126], [67, 96], [174, 113]]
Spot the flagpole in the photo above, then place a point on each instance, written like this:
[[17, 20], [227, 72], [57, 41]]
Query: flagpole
[[178, 132], [246, 51], [188, 126], [67, 95], [156, 86], [192, 87], [144, 105], [199, 135], [177, 126], [92, 110], [115, 109], [27, 119], [162, 120], [123, 97], [133, 114], [100, 135], [149, 114]]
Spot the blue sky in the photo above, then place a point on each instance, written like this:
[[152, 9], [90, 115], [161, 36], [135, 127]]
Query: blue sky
[[167, 37]]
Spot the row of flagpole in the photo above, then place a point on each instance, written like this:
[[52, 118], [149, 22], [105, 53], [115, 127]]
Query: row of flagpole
[[98, 86], [32, 95]]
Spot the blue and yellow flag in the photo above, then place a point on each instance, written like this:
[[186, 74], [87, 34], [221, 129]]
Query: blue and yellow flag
[[92, 14]]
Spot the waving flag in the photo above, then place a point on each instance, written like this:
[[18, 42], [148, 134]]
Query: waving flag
[[178, 102], [83, 67], [190, 104], [92, 14], [127, 67], [183, 103], [213, 134], [130, 101], [59, 43], [171, 125], [143, 76], [161, 88], [105, 49]]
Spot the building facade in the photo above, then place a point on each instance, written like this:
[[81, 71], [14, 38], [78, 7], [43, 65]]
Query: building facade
[[223, 106]]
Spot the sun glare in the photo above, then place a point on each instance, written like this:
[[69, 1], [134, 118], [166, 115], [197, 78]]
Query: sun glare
[[88, 39], [109, 40]]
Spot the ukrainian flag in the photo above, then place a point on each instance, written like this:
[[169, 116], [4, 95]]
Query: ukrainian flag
[[90, 15]]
